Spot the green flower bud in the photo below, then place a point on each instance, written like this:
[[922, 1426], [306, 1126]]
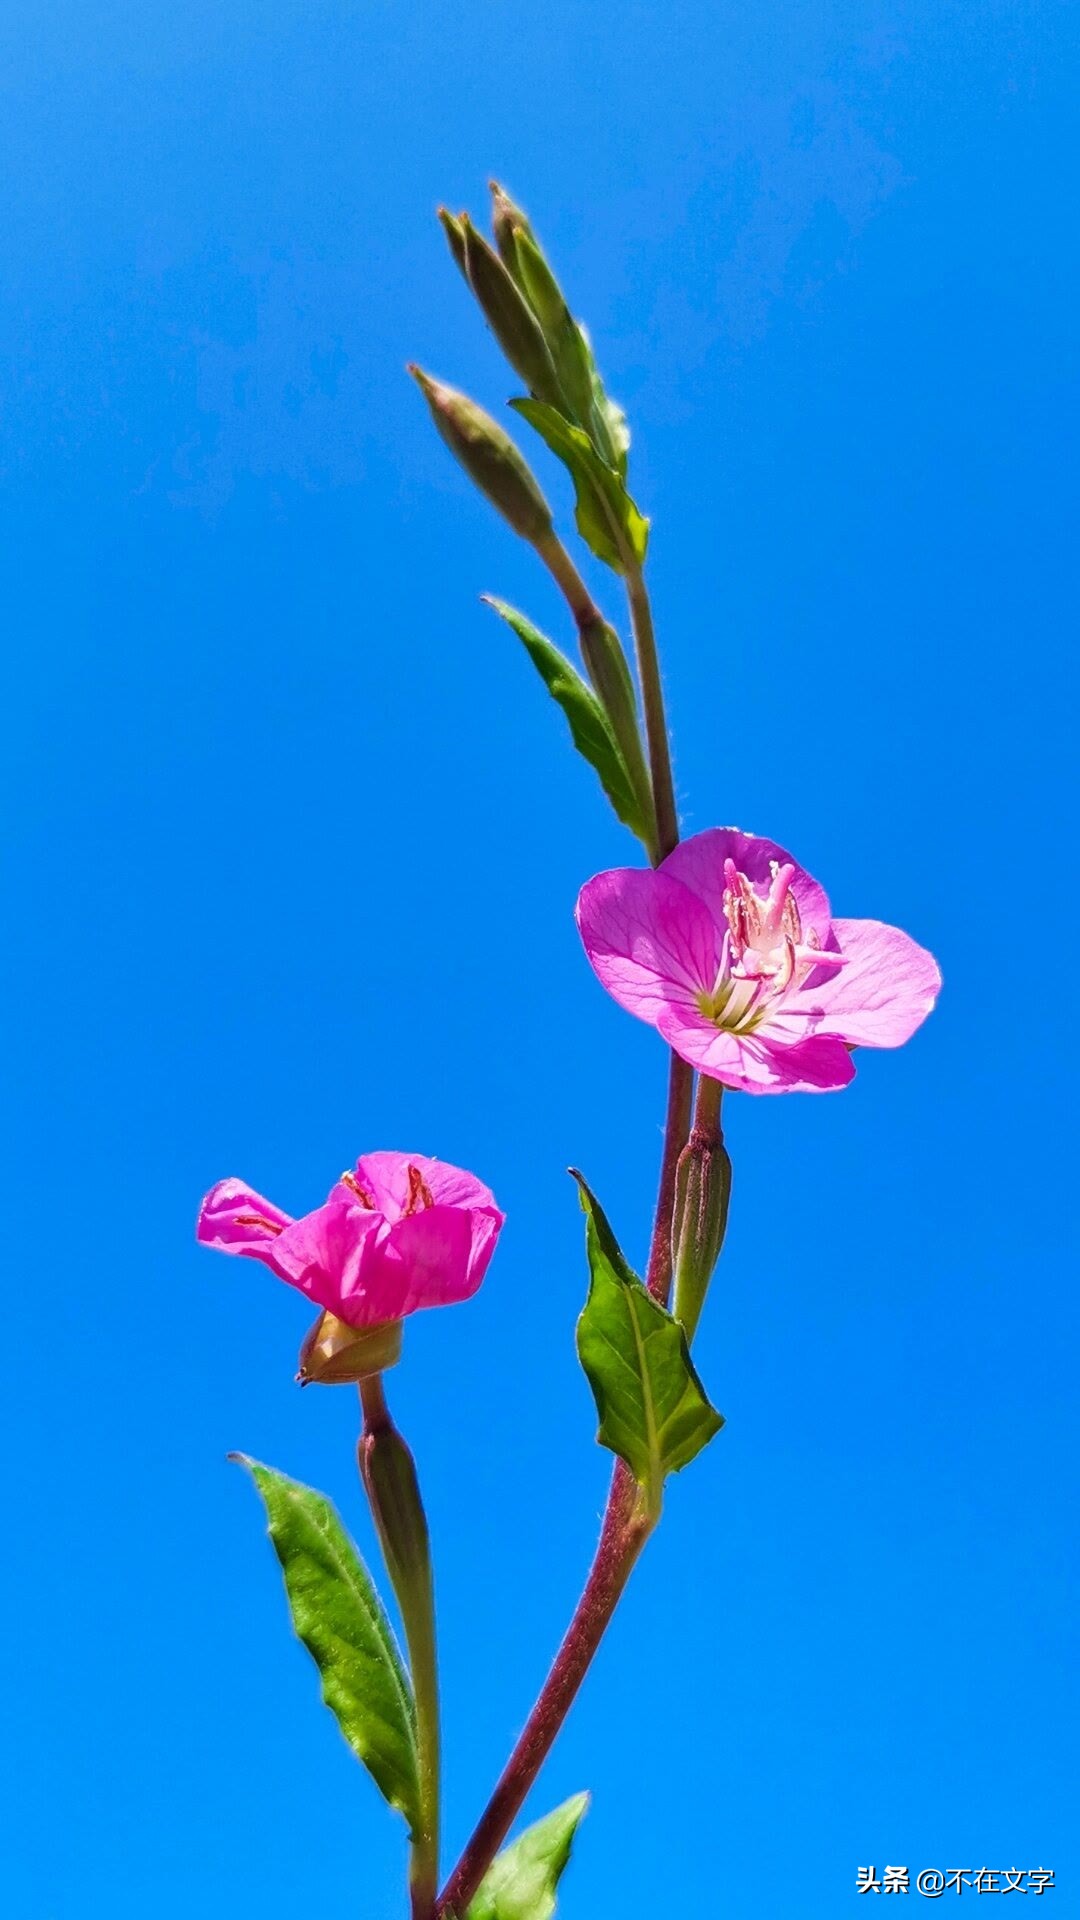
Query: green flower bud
[[702, 1196], [334, 1353], [507, 222], [510, 317], [489, 457], [389, 1476], [455, 237], [607, 668]]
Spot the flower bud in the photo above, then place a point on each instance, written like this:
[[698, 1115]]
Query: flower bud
[[510, 317], [507, 223], [334, 1353], [702, 1194], [455, 237], [489, 457], [606, 665], [389, 1476]]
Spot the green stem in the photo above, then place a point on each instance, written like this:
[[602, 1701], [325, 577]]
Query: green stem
[[652, 699], [389, 1476]]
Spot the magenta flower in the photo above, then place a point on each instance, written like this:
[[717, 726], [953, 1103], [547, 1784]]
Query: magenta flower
[[730, 950], [401, 1233]]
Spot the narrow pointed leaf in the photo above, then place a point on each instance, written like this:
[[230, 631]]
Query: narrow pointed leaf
[[521, 1883], [653, 1409], [337, 1614], [589, 728], [607, 518]]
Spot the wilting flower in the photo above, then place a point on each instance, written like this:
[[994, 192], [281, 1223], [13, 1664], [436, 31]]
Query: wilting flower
[[400, 1233], [730, 950]]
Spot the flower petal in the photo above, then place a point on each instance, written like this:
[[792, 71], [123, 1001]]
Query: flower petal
[[884, 990], [433, 1258], [651, 942], [699, 864], [236, 1219], [332, 1256], [751, 1063], [385, 1176]]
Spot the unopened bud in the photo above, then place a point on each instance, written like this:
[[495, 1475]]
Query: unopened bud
[[607, 668], [334, 1353], [510, 317], [702, 1194], [455, 237], [389, 1476], [507, 223], [489, 457]]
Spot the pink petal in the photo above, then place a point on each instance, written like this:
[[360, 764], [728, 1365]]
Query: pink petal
[[884, 990], [433, 1258], [385, 1176], [236, 1219], [699, 864], [752, 1063], [332, 1256], [651, 942]]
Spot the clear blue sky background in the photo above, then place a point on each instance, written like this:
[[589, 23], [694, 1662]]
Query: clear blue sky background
[[292, 842]]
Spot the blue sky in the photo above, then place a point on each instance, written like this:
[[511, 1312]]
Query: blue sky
[[291, 845]]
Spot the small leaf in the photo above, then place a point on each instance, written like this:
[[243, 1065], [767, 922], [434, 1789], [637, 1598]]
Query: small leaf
[[520, 1884], [614, 426], [589, 728], [653, 1408], [337, 1614], [607, 519]]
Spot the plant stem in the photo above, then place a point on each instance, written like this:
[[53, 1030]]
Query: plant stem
[[676, 1133], [389, 1477], [625, 1529], [652, 699], [566, 576], [710, 1093]]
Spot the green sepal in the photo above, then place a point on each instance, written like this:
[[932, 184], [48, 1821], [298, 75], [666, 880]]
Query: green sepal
[[589, 726], [607, 518], [521, 1882], [654, 1412], [337, 1614]]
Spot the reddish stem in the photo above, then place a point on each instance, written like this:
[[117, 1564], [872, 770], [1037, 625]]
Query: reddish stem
[[625, 1529]]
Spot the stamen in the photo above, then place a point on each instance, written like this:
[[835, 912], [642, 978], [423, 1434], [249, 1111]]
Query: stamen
[[349, 1179], [420, 1194], [257, 1220]]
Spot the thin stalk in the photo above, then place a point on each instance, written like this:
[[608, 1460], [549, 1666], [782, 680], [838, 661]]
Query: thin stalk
[[566, 576], [652, 699], [389, 1477], [626, 1527]]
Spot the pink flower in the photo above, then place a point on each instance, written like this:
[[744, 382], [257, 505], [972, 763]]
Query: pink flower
[[730, 950], [400, 1233]]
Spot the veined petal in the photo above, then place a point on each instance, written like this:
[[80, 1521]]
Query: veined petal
[[752, 1063], [385, 1177], [699, 864], [650, 941], [884, 990]]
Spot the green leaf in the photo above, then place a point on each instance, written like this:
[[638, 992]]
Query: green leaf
[[614, 426], [607, 519], [653, 1408], [520, 1884], [589, 728], [337, 1614]]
